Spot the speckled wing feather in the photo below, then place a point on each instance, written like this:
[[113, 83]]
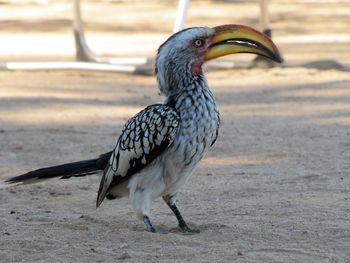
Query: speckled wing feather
[[143, 138]]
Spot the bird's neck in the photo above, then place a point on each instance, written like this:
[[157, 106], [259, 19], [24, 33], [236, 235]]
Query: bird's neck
[[195, 93], [175, 78]]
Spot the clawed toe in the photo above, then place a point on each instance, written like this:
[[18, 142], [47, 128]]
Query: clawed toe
[[188, 230]]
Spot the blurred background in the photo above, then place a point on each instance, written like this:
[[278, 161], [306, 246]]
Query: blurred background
[[305, 30]]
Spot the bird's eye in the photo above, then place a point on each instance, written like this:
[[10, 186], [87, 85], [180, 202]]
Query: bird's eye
[[198, 42]]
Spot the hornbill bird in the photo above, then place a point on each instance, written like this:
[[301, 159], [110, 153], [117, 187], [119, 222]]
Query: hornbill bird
[[160, 146]]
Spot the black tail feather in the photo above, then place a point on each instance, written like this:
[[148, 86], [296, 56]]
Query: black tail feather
[[65, 171]]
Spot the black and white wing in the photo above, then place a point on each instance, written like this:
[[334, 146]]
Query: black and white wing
[[144, 137]]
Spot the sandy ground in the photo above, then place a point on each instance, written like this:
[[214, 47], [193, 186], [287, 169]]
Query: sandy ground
[[274, 188]]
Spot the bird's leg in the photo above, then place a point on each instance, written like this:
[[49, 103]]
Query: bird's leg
[[148, 224], [182, 224]]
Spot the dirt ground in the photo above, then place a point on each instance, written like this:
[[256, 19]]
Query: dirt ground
[[274, 188]]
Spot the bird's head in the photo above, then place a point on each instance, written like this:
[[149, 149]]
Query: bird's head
[[180, 58]]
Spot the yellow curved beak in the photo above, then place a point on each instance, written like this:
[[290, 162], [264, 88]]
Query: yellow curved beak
[[231, 39]]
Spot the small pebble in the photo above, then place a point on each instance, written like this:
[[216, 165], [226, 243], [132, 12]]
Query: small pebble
[[125, 255], [123, 245]]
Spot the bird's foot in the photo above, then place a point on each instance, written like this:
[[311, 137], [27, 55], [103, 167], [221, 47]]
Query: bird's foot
[[148, 224], [151, 229], [185, 229]]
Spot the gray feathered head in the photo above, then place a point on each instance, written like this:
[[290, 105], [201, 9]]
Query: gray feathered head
[[179, 60]]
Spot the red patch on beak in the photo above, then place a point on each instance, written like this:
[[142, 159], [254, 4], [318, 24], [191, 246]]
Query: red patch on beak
[[196, 67]]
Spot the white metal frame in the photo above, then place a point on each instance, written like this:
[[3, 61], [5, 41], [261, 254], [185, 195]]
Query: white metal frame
[[125, 64]]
